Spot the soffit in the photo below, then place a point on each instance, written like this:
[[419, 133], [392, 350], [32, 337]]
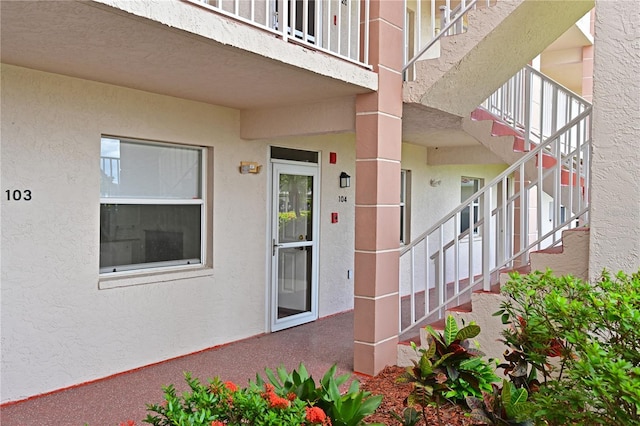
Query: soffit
[[98, 42], [433, 128]]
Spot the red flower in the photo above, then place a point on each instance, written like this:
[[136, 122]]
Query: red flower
[[555, 348], [128, 423], [232, 387], [315, 415], [292, 396], [522, 321], [277, 402], [274, 400], [217, 423]]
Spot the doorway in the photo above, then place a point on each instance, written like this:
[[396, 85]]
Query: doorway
[[294, 231]]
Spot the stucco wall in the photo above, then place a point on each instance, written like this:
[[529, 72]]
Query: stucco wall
[[615, 185], [429, 203], [58, 327]]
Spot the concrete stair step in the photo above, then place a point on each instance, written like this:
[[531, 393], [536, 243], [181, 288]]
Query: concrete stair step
[[482, 304], [501, 129]]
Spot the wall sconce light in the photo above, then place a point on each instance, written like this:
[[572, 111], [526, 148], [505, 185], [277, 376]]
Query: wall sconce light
[[345, 180], [249, 167]]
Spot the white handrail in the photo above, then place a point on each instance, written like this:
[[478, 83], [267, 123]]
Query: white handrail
[[536, 105], [500, 237], [443, 31], [337, 33]]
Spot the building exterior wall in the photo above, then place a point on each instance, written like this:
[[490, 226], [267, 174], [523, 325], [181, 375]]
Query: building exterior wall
[[615, 184], [429, 203], [62, 325]]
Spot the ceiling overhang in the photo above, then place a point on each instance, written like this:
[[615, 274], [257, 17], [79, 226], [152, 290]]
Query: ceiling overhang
[[173, 48]]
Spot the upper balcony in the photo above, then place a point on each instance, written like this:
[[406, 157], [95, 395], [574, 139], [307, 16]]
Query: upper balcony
[[234, 53]]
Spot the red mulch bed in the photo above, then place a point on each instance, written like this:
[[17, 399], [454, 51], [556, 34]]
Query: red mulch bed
[[394, 400]]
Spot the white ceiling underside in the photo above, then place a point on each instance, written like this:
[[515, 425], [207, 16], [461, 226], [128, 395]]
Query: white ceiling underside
[[99, 42]]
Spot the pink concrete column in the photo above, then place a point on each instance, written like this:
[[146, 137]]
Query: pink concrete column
[[378, 153]]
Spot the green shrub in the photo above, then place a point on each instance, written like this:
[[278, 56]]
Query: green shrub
[[506, 406], [221, 404], [593, 330]]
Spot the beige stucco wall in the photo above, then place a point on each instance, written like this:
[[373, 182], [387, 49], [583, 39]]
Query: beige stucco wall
[[58, 327], [429, 203], [615, 191]]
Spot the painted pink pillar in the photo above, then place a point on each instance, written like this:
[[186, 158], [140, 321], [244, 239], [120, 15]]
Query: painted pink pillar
[[377, 211]]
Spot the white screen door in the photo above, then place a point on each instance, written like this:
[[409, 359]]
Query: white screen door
[[294, 278]]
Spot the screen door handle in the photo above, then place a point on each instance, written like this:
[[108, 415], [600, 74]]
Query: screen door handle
[[275, 246]]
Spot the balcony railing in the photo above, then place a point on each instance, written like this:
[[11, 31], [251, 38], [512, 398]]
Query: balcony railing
[[333, 27]]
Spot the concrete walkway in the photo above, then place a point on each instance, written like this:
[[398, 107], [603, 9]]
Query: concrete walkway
[[124, 397]]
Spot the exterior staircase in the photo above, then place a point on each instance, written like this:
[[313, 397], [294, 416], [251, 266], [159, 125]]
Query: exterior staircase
[[517, 117], [526, 26], [527, 218], [569, 258]]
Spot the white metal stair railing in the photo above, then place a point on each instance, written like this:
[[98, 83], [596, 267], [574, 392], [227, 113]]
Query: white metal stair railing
[[443, 265], [537, 106], [328, 26], [447, 15], [447, 22]]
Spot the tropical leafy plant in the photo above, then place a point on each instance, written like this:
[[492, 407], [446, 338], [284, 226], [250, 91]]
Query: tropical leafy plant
[[449, 369], [298, 381], [348, 409], [467, 372], [409, 417], [506, 406]]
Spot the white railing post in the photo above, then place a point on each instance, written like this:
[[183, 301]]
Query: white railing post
[[470, 267], [456, 254], [527, 109], [486, 240], [427, 273], [285, 20], [440, 284], [366, 32]]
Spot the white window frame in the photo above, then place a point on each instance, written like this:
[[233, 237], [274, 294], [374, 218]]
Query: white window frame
[[202, 201], [475, 210]]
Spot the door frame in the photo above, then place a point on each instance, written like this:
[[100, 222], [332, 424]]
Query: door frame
[[277, 167]]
